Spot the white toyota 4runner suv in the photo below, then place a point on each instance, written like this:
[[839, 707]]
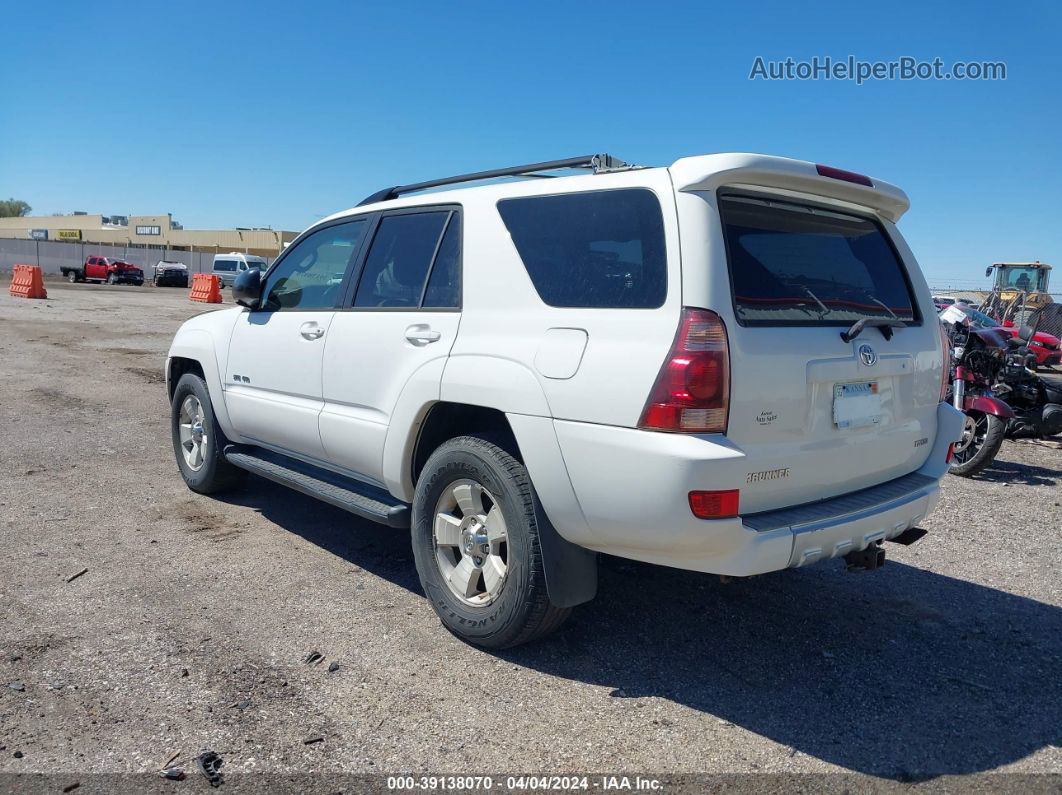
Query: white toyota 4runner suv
[[730, 365]]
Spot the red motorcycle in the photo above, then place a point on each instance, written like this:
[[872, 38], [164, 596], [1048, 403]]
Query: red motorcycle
[[977, 357]]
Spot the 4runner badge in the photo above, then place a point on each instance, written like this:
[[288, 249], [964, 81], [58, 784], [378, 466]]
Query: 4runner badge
[[770, 474], [867, 355]]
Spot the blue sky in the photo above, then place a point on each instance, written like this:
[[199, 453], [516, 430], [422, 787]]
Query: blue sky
[[279, 113]]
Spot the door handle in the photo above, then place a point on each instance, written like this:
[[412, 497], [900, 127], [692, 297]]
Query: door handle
[[311, 331], [422, 334]]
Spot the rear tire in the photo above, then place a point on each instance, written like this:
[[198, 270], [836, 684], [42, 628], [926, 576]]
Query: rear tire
[[198, 441], [982, 436], [71, 277], [476, 546]]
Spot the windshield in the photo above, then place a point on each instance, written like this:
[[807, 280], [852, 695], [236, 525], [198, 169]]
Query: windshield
[[1018, 278], [797, 265], [980, 319]]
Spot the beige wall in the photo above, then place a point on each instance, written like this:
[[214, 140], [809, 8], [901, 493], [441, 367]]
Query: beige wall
[[267, 242]]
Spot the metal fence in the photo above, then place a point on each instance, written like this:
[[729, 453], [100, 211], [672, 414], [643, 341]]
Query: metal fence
[[52, 255]]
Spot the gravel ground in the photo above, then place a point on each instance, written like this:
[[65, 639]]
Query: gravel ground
[[190, 627]]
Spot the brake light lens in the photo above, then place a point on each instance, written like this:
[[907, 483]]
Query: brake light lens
[[951, 453], [945, 355], [715, 504], [847, 176], [692, 392]]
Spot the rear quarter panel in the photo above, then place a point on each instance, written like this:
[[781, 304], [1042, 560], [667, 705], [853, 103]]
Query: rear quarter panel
[[506, 321]]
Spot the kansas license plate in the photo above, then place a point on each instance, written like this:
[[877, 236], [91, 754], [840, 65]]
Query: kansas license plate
[[856, 405]]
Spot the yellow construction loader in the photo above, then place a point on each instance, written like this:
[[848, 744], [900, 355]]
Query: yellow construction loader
[[1018, 290]]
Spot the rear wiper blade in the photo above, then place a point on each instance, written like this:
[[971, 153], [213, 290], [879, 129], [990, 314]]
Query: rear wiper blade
[[883, 306], [884, 324], [815, 298]]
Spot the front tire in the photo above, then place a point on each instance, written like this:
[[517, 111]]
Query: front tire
[[112, 279], [982, 436], [198, 441], [476, 546]]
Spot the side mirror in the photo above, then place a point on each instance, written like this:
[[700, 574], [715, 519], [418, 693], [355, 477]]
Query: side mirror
[[988, 271], [247, 289]]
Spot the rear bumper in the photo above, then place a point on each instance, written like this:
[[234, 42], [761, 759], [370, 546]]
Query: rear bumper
[[633, 488]]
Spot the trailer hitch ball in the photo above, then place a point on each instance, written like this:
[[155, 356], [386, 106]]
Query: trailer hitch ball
[[872, 557]]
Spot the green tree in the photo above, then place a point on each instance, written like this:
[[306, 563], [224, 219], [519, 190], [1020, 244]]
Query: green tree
[[14, 208]]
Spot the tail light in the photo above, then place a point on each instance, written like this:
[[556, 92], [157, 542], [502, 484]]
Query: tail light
[[692, 392], [951, 453], [945, 355]]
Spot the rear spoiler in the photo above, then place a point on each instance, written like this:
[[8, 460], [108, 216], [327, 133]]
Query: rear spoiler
[[708, 172]]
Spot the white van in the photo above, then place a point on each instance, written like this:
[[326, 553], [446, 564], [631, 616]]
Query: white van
[[229, 266]]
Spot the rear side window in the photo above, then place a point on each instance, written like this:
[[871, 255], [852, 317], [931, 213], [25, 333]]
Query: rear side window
[[797, 265], [397, 265], [225, 265], [443, 290], [602, 249]]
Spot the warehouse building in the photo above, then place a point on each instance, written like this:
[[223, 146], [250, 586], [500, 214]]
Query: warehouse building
[[159, 232]]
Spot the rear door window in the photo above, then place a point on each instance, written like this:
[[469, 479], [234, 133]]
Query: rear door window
[[599, 249], [795, 265], [401, 254]]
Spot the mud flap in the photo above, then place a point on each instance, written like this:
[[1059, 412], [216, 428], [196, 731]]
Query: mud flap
[[570, 570]]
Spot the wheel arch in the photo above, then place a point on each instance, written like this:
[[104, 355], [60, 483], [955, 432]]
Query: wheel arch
[[570, 569], [193, 351]]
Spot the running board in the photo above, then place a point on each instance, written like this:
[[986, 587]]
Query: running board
[[358, 498]]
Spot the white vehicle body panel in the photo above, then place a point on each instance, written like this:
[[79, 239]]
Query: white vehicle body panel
[[370, 364], [782, 377], [573, 382], [278, 405]]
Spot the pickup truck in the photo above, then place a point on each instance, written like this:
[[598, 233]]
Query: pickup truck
[[112, 270]]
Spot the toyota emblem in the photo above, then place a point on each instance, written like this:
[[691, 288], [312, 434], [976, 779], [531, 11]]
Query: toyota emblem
[[867, 355]]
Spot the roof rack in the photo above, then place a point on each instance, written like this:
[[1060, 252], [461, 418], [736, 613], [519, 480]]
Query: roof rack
[[597, 163]]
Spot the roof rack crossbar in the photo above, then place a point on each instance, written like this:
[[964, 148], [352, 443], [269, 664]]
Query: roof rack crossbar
[[598, 163]]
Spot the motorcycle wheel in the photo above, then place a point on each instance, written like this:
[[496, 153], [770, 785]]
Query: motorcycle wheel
[[982, 436]]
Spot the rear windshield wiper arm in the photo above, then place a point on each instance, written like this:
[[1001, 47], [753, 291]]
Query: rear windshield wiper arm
[[884, 324]]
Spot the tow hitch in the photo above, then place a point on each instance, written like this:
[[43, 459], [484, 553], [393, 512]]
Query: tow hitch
[[873, 557]]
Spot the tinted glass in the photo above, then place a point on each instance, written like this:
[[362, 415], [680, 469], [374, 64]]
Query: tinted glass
[[398, 260], [305, 277], [600, 249], [791, 264], [225, 265], [444, 285]]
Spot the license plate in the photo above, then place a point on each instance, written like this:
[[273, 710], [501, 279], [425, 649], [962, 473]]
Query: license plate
[[856, 405]]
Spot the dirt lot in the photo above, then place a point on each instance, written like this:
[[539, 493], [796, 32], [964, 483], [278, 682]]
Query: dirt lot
[[190, 627]]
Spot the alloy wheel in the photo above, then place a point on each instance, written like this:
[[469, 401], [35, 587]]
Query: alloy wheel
[[194, 439], [471, 542]]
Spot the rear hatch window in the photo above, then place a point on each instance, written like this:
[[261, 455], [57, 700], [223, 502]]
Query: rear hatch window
[[799, 265]]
